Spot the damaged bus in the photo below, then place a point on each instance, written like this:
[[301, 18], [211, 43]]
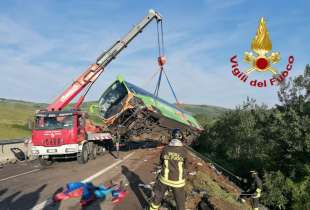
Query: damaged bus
[[135, 114]]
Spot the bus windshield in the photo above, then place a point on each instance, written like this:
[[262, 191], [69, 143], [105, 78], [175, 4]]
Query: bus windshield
[[58, 122], [110, 101]]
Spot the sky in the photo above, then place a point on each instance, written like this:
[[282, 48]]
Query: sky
[[45, 45]]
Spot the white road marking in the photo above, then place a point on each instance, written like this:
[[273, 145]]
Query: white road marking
[[44, 204], [92, 177], [17, 175], [106, 169]]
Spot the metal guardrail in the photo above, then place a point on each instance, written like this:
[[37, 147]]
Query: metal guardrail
[[12, 141]]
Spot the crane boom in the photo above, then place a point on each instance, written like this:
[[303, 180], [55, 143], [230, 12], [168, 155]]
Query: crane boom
[[94, 71]]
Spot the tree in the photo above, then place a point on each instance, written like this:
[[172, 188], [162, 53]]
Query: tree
[[275, 142]]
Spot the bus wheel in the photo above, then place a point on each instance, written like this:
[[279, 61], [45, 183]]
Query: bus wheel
[[45, 162], [83, 155]]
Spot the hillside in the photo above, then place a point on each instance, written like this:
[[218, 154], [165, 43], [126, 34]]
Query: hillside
[[209, 111], [17, 115]]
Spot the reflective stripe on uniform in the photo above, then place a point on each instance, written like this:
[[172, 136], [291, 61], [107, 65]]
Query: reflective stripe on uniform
[[166, 172], [153, 206], [179, 183], [180, 164], [258, 193]]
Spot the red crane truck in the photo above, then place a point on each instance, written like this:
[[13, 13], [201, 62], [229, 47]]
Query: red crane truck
[[60, 133]]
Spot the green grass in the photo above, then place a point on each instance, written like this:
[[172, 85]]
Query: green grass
[[209, 111], [205, 114], [15, 116], [92, 116]]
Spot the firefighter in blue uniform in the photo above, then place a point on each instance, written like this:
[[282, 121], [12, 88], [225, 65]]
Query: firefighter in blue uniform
[[173, 160]]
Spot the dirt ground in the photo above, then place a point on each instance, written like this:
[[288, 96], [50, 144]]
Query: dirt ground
[[204, 181]]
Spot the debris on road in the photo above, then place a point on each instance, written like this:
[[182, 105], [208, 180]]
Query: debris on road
[[146, 186], [192, 173], [118, 195], [157, 171], [89, 192]]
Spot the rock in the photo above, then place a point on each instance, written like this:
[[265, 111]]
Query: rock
[[204, 204], [146, 186], [193, 173], [13, 161]]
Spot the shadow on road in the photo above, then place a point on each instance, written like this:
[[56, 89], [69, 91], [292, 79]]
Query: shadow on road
[[132, 145], [25, 201], [95, 205], [3, 191], [146, 144], [54, 205], [134, 181]]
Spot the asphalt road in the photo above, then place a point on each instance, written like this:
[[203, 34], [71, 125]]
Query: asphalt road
[[29, 186]]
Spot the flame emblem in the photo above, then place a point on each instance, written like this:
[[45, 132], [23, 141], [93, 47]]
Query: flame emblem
[[261, 45]]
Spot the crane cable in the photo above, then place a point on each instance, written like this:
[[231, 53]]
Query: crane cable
[[171, 88], [161, 62]]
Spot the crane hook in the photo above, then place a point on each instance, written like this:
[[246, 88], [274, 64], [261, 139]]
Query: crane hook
[[161, 61]]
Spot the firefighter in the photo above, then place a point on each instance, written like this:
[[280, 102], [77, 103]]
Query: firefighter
[[257, 188], [173, 161]]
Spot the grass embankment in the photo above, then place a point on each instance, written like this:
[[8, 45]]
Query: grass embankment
[[211, 186], [14, 118], [216, 192]]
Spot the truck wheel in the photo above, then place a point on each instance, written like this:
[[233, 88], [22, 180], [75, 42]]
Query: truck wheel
[[93, 154], [101, 150], [45, 162], [83, 156]]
